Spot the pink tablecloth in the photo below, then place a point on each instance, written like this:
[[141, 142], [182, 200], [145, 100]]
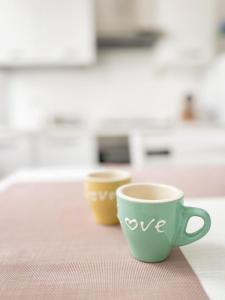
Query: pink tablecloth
[[50, 248], [196, 181]]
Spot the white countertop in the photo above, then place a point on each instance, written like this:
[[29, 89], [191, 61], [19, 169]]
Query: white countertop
[[207, 256]]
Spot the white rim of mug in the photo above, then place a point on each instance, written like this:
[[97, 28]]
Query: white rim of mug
[[119, 175], [120, 193]]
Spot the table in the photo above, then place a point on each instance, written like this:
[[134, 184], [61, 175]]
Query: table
[[207, 256]]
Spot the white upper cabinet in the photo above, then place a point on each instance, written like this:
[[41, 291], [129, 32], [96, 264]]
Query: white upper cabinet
[[48, 33]]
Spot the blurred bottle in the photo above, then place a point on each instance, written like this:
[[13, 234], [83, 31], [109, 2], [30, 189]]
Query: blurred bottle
[[188, 111]]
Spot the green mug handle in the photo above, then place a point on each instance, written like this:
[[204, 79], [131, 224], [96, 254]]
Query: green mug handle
[[184, 237]]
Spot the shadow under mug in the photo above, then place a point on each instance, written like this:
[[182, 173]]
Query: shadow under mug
[[154, 220], [100, 190]]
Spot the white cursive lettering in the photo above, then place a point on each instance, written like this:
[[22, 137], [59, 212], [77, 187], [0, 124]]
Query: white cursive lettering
[[133, 224]]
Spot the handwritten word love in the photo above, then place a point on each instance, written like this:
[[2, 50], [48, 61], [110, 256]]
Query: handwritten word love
[[101, 195], [133, 224]]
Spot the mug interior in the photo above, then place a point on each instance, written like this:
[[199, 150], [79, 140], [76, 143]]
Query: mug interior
[[108, 175], [149, 192]]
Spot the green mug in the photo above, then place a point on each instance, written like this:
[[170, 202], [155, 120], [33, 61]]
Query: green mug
[[154, 220]]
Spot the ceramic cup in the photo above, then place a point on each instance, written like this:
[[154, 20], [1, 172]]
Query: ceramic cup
[[100, 189], [154, 220]]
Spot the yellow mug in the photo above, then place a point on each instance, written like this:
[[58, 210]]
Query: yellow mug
[[100, 190]]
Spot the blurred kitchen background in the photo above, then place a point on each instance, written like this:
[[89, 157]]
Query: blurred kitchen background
[[87, 83]]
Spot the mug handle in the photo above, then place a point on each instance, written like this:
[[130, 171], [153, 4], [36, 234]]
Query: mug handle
[[184, 237]]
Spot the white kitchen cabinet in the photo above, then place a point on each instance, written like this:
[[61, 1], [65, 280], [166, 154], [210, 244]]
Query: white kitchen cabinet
[[182, 145], [191, 28], [150, 147], [65, 149], [46, 33], [15, 152]]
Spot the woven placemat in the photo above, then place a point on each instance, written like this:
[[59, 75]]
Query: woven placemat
[[50, 248]]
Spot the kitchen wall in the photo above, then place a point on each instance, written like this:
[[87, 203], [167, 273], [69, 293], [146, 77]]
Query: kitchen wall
[[122, 84]]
